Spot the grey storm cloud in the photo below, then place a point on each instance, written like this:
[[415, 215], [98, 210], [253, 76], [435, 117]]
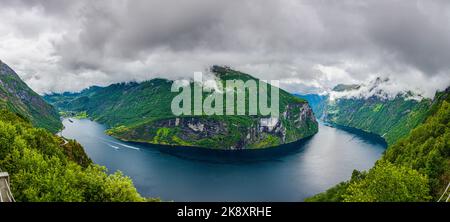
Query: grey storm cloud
[[310, 45]]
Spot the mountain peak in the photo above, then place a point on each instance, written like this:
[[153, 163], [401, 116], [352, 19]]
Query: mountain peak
[[345, 87], [220, 69], [227, 73], [5, 70]]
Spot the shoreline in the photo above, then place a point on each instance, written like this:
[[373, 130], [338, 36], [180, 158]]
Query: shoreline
[[360, 132], [224, 155]]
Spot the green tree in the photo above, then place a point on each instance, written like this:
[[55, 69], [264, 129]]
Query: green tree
[[389, 183]]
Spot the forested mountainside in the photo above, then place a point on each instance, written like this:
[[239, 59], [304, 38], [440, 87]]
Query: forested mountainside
[[45, 167], [16, 96], [391, 117], [141, 112], [415, 168]]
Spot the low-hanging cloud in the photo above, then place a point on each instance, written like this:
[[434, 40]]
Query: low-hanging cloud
[[309, 45], [379, 87]]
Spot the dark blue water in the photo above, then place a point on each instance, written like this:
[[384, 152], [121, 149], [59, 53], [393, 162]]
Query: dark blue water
[[314, 165]]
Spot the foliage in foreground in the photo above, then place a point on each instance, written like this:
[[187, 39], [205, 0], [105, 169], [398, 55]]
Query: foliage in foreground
[[389, 183], [385, 182], [45, 168]]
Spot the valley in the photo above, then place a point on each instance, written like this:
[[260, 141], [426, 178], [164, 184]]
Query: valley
[[129, 127], [236, 104]]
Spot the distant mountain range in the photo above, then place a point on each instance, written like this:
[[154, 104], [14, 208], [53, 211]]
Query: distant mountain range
[[16, 96], [141, 112]]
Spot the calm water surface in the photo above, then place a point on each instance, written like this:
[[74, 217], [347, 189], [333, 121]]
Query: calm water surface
[[326, 159]]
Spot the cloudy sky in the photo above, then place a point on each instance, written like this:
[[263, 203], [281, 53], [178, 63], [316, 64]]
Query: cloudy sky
[[58, 45]]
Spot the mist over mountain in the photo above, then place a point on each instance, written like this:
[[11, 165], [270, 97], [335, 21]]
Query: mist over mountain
[[376, 107], [383, 88]]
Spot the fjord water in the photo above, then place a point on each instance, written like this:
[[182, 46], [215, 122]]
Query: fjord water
[[326, 159]]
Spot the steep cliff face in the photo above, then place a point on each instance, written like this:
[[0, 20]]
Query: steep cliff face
[[215, 132], [317, 102], [17, 97], [141, 112]]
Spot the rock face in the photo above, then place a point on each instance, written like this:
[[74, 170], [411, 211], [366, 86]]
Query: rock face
[[17, 97], [317, 102], [141, 112], [296, 123]]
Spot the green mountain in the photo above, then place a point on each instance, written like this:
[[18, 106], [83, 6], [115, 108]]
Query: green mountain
[[415, 168], [141, 112], [392, 119], [16, 96], [373, 110]]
